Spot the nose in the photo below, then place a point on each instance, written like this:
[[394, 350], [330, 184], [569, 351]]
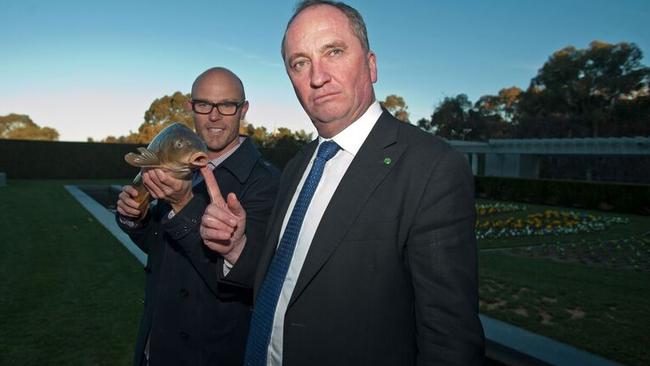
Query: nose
[[319, 74], [214, 114]]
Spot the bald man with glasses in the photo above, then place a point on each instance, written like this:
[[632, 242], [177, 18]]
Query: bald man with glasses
[[198, 301]]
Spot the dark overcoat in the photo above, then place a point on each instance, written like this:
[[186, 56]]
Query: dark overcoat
[[193, 314], [390, 277]]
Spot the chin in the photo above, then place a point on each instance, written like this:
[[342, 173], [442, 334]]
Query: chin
[[215, 146], [327, 116]]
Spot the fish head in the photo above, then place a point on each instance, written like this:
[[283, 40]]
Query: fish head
[[181, 150], [176, 148]]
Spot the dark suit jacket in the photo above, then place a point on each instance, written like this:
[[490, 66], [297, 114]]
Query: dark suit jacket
[[391, 274], [192, 313]]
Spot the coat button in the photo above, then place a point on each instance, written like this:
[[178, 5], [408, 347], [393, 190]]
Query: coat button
[[184, 336], [184, 292]]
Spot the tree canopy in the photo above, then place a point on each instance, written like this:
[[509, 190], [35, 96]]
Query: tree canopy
[[602, 90], [21, 127], [579, 92], [396, 106], [169, 109], [161, 113], [280, 138]]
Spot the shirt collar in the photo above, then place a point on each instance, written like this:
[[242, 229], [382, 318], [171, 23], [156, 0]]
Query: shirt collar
[[353, 136], [220, 159]]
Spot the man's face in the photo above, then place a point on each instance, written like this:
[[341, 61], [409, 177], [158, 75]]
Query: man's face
[[219, 132], [330, 71]]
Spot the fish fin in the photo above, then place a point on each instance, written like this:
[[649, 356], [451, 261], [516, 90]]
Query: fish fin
[[145, 159]]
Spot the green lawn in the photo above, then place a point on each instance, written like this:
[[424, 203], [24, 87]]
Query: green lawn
[[590, 290], [70, 293]]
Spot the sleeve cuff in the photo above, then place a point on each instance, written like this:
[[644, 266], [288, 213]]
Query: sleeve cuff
[[131, 224], [186, 220]]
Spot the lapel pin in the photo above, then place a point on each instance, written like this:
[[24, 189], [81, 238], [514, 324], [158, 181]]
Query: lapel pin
[[387, 161]]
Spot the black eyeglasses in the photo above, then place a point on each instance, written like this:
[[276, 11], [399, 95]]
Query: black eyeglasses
[[224, 108]]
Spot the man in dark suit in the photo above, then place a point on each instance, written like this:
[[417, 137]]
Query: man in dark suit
[[371, 253], [197, 301]]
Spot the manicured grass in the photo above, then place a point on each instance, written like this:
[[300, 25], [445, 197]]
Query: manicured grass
[[590, 290], [70, 293]]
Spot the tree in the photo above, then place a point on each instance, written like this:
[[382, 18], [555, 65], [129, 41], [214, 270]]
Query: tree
[[161, 113], [282, 138], [397, 106], [492, 115], [169, 109], [21, 127], [451, 117], [425, 124], [259, 135], [502, 105], [578, 91]]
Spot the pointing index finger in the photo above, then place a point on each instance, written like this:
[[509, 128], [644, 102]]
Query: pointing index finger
[[213, 187]]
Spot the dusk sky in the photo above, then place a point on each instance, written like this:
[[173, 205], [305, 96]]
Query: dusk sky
[[92, 68]]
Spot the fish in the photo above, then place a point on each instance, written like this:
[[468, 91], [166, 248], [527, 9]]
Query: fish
[[176, 149]]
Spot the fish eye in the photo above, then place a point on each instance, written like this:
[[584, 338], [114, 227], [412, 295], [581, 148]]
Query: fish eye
[[178, 144]]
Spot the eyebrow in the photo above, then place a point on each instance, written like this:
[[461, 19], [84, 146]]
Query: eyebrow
[[325, 47], [333, 44]]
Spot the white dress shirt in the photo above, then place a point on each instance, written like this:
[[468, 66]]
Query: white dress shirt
[[350, 141]]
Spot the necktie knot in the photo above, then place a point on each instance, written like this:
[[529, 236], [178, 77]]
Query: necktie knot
[[327, 150]]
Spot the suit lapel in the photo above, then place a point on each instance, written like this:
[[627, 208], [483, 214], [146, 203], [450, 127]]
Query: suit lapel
[[368, 168], [292, 175]]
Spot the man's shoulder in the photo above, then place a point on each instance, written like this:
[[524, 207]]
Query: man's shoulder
[[422, 149], [265, 169], [247, 162], [416, 138], [305, 152]]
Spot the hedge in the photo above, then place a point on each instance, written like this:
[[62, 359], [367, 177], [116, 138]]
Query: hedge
[[620, 197]]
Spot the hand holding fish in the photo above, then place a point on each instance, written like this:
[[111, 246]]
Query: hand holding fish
[[163, 186], [176, 151], [224, 221], [128, 206]]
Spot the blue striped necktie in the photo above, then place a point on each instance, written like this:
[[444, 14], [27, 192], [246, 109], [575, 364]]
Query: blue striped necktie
[[267, 299]]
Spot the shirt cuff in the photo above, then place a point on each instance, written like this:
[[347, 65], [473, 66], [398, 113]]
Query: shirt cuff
[[131, 224], [227, 266]]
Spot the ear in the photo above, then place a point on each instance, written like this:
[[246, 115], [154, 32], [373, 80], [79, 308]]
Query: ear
[[372, 65], [188, 105], [244, 109]]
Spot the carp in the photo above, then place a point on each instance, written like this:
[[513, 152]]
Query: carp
[[176, 149]]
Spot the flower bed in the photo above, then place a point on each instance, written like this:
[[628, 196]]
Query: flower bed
[[485, 209], [549, 222]]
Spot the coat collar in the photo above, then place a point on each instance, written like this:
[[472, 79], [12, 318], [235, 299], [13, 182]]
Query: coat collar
[[242, 161], [367, 170], [377, 156]]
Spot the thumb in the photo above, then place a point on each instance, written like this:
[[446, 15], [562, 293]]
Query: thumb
[[235, 206], [213, 187]]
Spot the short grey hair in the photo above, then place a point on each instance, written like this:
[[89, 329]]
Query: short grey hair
[[355, 19]]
